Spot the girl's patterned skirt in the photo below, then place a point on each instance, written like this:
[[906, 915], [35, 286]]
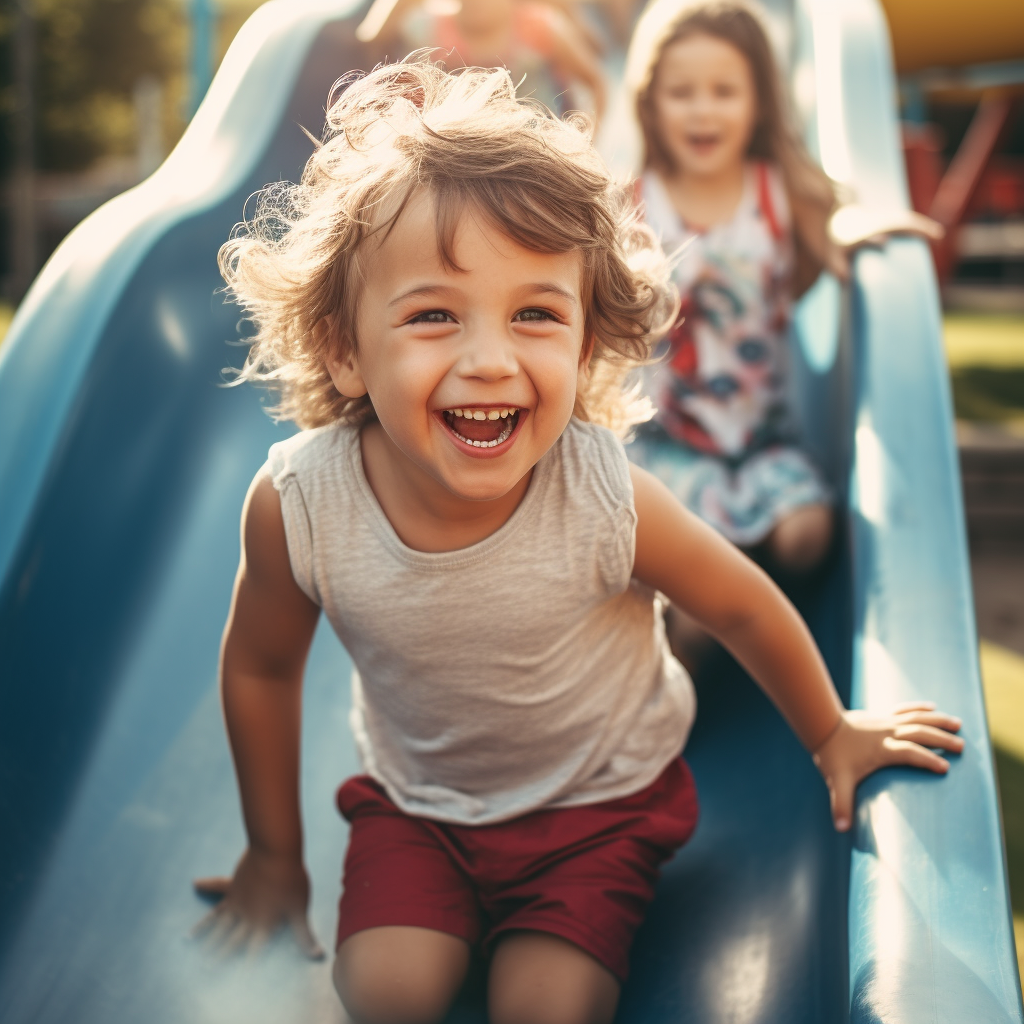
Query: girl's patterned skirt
[[744, 498]]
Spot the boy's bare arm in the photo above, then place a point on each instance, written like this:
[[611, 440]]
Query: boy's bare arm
[[737, 603], [267, 638]]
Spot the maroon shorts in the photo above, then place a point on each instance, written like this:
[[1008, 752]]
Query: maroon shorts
[[585, 874]]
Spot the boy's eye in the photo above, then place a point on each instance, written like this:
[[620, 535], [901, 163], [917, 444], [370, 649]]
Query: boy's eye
[[432, 316], [533, 315]]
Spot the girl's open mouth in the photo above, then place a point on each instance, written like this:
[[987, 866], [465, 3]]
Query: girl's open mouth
[[702, 143], [482, 428]]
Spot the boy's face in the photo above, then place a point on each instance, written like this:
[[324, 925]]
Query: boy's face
[[472, 374]]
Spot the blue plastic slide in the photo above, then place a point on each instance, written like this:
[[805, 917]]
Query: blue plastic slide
[[122, 469]]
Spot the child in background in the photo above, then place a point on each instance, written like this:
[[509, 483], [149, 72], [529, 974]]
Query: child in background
[[450, 302], [534, 40], [727, 181]]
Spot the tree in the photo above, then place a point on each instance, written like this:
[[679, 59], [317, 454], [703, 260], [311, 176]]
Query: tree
[[89, 56]]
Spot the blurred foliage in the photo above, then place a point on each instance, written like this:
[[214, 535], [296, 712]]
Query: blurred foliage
[[983, 339], [1010, 773], [89, 56], [986, 365], [988, 393]]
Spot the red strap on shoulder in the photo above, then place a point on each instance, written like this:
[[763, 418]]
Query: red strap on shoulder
[[764, 199], [638, 192], [534, 24], [447, 35]]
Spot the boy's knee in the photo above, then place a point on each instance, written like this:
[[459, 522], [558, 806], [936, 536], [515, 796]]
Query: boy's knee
[[385, 982], [528, 1007], [391, 994], [539, 979]]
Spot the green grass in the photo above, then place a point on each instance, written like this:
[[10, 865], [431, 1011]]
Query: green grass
[[1002, 673], [986, 366], [977, 339], [988, 393]]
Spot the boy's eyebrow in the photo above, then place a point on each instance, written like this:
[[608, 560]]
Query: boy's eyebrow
[[554, 289], [542, 287], [426, 289]]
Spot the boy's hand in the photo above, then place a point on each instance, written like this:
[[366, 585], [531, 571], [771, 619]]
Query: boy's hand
[[265, 894], [862, 743]]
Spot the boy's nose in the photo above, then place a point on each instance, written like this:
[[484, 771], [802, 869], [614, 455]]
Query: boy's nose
[[488, 355]]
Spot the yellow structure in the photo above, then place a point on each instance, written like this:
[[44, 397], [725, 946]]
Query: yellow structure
[[951, 33]]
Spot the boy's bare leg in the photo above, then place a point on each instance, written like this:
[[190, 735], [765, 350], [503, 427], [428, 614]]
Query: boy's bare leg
[[537, 978], [399, 975], [802, 539]]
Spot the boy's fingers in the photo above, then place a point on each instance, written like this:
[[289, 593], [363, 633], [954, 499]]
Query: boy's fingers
[[930, 736], [234, 940], [205, 923], [258, 943], [306, 939], [914, 755], [841, 794], [211, 888], [937, 718], [920, 705], [223, 926]]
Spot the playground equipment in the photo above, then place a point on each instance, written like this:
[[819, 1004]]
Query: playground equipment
[[122, 469], [950, 33]]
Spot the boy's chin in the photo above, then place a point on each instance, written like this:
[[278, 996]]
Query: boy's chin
[[490, 485]]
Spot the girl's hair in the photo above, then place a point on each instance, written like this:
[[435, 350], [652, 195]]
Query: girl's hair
[[811, 192], [295, 266]]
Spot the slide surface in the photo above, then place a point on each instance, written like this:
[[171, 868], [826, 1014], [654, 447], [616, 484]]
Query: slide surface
[[123, 464]]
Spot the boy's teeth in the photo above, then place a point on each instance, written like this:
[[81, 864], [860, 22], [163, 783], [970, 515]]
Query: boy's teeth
[[506, 430], [482, 414]]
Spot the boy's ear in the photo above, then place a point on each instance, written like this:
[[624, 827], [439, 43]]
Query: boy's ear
[[345, 373], [344, 369], [586, 354]]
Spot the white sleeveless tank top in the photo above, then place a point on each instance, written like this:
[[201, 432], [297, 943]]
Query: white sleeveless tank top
[[525, 671]]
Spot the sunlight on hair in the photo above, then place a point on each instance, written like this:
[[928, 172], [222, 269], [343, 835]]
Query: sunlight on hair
[[472, 144]]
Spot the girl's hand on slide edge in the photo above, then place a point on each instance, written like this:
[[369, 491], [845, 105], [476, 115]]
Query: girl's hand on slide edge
[[853, 225], [862, 743], [265, 894]]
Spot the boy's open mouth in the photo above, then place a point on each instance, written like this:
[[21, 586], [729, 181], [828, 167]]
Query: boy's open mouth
[[482, 428]]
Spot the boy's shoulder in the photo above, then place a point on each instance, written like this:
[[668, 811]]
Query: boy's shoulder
[[306, 452], [584, 435], [593, 453]]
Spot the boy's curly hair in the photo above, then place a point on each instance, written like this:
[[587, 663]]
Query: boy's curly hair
[[295, 266]]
